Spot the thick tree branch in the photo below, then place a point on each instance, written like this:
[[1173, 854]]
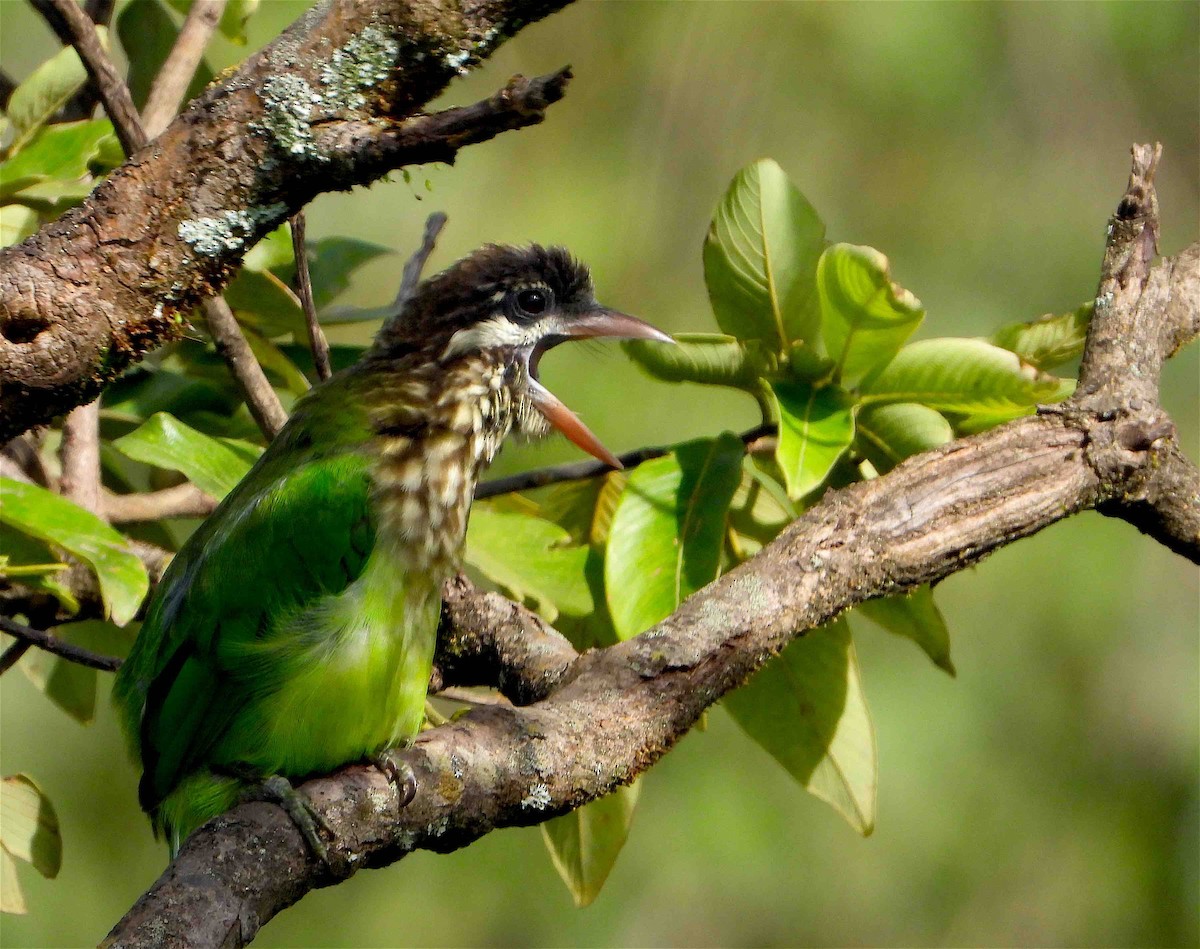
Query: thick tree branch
[[602, 718], [324, 106]]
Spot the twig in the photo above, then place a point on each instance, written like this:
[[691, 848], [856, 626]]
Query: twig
[[579, 470], [261, 399], [177, 70], [316, 336], [74, 26], [183, 500], [416, 263], [80, 454], [59, 647]]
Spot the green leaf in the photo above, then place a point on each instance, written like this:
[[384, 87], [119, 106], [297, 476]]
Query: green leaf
[[233, 19], [865, 317], [806, 708], [340, 356], [1049, 341], [584, 844], [346, 314], [280, 370], [887, 434], [17, 222], [272, 252], [145, 389], [914, 616], [68, 685], [47, 89], [213, 465], [62, 151], [147, 34], [760, 258], [29, 826], [706, 358], [966, 376], [816, 426], [263, 301], [667, 532], [332, 262], [532, 558], [43, 514], [52, 196]]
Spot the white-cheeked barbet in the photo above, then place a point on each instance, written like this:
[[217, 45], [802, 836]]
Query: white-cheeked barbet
[[295, 630]]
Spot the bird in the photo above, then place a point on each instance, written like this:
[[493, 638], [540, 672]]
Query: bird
[[294, 632]]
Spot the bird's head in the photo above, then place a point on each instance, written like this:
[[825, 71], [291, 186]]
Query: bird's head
[[513, 304]]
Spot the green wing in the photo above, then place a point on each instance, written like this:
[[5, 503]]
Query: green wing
[[297, 528]]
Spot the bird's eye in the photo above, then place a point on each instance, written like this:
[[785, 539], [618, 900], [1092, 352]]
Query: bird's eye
[[532, 302]]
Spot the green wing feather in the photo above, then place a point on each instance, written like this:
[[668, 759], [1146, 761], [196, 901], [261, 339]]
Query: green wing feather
[[298, 527]]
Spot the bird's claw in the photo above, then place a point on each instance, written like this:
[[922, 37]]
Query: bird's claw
[[398, 772], [308, 820]]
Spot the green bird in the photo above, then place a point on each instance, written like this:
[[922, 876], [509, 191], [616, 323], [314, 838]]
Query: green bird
[[294, 632]]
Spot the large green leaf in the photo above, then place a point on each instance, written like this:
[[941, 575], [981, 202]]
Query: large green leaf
[[63, 151], [887, 434], [806, 708], [532, 558], [865, 317], [760, 258], [29, 826], [45, 515], [144, 390], [967, 376], [213, 465], [1049, 341], [914, 616], [584, 844], [706, 358], [263, 301], [666, 535], [816, 426], [46, 90]]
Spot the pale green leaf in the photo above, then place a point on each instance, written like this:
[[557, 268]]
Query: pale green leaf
[[705, 358], [816, 426], [64, 151], [889, 433], [914, 616], [45, 515], [263, 301], [12, 900], [356, 314], [17, 222], [1050, 341], [53, 196], [585, 843], [68, 685], [233, 18], [273, 251], [214, 465], [532, 558], [806, 708], [666, 535], [965, 376], [29, 826], [865, 317], [46, 90], [280, 370], [332, 262], [760, 258]]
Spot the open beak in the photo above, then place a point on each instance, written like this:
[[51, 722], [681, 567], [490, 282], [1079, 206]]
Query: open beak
[[598, 323]]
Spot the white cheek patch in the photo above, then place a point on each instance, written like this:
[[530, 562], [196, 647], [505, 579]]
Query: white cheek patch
[[495, 333]]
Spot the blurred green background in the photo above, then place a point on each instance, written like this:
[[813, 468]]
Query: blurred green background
[[1048, 796]]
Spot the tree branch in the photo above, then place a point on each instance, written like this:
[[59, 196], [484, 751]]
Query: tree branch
[[316, 336], [183, 500], [261, 398], [80, 454], [416, 263], [604, 717], [169, 86], [323, 107], [59, 647]]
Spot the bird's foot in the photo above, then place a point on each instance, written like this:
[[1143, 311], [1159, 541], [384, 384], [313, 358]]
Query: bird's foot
[[398, 772], [308, 820]]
